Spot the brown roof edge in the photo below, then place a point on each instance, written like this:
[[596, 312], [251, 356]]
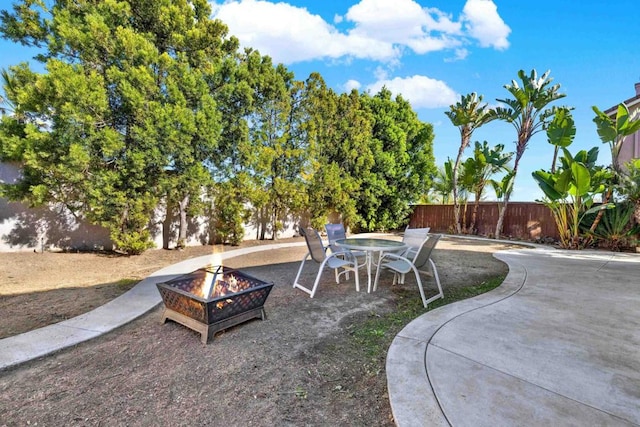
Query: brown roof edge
[[629, 103]]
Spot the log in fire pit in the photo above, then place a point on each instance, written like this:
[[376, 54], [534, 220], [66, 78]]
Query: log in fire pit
[[213, 298]]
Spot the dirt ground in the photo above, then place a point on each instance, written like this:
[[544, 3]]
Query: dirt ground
[[301, 366]]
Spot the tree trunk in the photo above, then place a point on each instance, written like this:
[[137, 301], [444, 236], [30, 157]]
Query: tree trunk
[[274, 221], [463, 226], [606, 199], [555, 158], [503, 210], [211, 224], [166, 227], [456, 202], [474, 215], [263, 223], [182, 234], [507, 194]]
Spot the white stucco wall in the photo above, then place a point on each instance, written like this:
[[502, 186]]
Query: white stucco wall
[[26, 229]]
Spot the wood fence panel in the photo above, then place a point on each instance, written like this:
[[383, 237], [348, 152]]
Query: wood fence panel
[[523, 220]]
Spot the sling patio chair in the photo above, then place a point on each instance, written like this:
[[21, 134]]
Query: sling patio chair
[[336, 260], [336, 232], [421, 262], [414, 237]]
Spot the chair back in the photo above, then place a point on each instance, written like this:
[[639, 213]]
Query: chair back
[[413, 238], [335, 232], [424, 253], [314, 243]]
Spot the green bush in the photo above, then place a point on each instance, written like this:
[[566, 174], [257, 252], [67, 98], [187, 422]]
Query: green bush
[[616, 230]]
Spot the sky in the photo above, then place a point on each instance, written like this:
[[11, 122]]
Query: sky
[[433, 51]]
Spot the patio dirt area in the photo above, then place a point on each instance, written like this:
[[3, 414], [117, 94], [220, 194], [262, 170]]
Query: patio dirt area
[[301, 366]]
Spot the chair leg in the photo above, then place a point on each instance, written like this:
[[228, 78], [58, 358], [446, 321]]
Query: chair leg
[[434, 270], [375, 281], [440, 294], [417, 273], [295, 282], [355, 273], [317, 282]]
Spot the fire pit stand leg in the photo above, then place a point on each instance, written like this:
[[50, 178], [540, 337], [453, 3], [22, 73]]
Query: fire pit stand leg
[[207, 332], [256, 313]]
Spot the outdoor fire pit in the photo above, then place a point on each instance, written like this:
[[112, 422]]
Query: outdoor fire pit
[[213, 298]]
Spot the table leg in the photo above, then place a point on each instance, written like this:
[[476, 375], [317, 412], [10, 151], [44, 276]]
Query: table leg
[[369, 261]]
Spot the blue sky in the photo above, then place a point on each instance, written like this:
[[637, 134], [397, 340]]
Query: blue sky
[[433, 51]]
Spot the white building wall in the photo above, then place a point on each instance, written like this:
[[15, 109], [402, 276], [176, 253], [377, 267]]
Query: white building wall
[[28, 229]]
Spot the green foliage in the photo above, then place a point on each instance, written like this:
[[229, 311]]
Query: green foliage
[[630, 182], [468, 114], [339, 131], [123, 114], [528, 113], [443, 181], [279, 145], [148, 103], [616, 230], [569, 193], [229, 213], [132, 242], [561, 130], [402, 150], [613, 131], [479, 169]]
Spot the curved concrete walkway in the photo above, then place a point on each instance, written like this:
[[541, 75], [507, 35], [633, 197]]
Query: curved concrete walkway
[[557, 344], [127, 307]]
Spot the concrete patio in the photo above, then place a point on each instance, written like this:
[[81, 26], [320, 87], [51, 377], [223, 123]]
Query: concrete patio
[[557, 344]]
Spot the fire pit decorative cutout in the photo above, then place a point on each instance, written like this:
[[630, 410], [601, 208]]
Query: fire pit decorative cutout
[[213, 298]]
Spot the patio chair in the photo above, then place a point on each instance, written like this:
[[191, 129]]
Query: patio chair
[[414, 237], [421, 262], [318, 253], [336, 232]]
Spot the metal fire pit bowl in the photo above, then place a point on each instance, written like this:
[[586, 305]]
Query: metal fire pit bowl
[[213, 298]]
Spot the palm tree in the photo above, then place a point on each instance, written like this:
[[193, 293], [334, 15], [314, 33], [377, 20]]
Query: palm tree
[[468, 114], [527, 113], [485, 163], [443, 181]]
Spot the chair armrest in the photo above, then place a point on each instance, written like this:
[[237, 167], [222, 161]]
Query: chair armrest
[[393, 256]]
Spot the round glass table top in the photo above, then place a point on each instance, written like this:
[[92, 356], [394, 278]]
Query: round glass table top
[[370, 244]]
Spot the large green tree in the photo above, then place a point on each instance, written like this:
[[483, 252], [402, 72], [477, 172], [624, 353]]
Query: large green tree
[[528, 113], [403, 162], [122, 117], [480, 169], [279, 142], [467, 115], [443, 182], [339, 132]]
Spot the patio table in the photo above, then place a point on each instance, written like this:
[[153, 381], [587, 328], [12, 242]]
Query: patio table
[[370, 246]]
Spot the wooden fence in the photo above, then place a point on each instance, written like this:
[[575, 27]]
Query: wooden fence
[[523, 220]]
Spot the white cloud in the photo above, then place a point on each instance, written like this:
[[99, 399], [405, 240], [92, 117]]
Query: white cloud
[[420, 91], [291, 34], [381, 73], [380, 30], [484, 24], [351, 84], [459, 55]]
